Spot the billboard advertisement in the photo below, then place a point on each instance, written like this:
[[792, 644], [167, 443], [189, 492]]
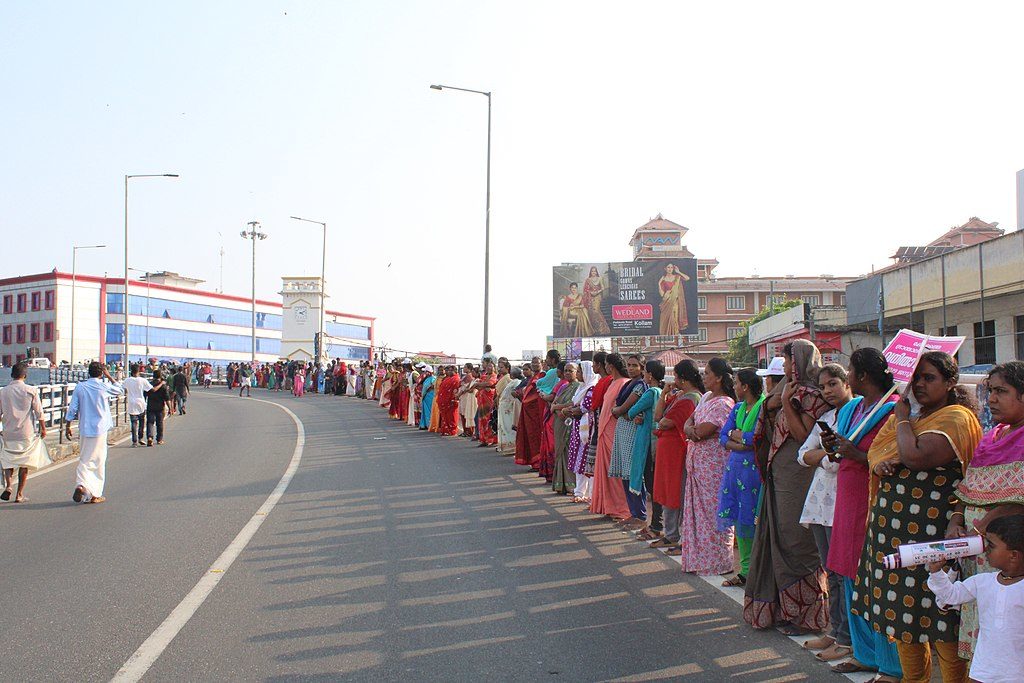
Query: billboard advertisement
[[625, 299]]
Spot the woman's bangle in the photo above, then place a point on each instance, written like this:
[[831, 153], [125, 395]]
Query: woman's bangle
[[901, 422], [957, 512]]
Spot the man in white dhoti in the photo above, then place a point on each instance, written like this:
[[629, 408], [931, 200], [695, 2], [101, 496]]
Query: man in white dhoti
[[90, 406], [22, 447]]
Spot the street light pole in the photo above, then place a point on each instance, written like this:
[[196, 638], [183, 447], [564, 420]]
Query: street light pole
[[487, 216], [253, 234], [74, 268], [124, 362], [323, 281], [148, 292]]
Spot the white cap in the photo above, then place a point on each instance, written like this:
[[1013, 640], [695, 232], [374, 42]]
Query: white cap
[[427, 368], [776, 367]]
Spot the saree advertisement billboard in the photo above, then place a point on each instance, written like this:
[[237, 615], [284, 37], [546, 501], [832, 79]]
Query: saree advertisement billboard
[[625, 299]]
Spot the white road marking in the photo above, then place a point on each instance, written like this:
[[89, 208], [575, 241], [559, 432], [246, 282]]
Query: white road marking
[[143, 658]]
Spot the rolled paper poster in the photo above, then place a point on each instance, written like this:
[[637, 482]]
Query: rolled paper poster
[[913, 554]]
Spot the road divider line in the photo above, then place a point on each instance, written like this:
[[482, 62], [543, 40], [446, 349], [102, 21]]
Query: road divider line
[[136, 666]]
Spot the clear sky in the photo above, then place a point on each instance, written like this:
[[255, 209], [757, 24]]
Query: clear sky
[[796, 137]]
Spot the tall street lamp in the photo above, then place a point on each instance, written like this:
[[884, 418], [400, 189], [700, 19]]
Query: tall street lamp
[[146, 273], [254, 234], [323, 281], [124, 362], [487, 219], [74, 271]]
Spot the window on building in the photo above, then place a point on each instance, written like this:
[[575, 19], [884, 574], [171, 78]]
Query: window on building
[[985, 342], [21, 303], [50, 357], [50, 299], [200, 313], [840, 299], [701, 336], [702, 302], [8, 304], [7, 336], [20, 334], [736, 303], [48, 332], [7, 361], [777, 298], [950, 331], [33, 335], [37, 301], [812, 299], [1019, 323], [19, 357], [733, 332]]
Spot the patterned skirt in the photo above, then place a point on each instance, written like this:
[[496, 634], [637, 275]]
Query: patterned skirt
[[622, 451]]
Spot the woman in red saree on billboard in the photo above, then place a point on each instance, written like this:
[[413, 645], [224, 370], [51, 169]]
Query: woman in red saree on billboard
[[574, 317], [593, 293], [673, 318]]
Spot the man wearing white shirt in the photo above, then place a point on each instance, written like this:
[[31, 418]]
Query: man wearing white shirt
[[134, 387], [90, 406]]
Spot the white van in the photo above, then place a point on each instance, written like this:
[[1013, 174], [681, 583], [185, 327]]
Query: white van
[[41, 362]]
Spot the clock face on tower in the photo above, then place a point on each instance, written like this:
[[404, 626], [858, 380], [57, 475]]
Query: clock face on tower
[[301, 314]]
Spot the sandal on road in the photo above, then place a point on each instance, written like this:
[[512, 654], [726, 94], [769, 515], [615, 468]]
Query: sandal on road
[[6, 495], [737, 581], [851, 666], [834, 652], [822, 643]]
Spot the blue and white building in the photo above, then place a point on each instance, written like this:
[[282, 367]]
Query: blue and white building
[[168, 317]]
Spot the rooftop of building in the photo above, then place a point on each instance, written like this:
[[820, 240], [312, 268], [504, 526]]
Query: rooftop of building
[[970, 233], [158, 286]]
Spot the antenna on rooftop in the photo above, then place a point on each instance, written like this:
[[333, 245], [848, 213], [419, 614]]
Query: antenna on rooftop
[[221, 289]]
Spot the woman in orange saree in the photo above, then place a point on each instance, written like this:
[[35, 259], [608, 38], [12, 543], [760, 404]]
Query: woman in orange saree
[[608, 496], [484, 403]]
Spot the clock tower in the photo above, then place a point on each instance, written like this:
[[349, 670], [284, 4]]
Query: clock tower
[[302, 304]]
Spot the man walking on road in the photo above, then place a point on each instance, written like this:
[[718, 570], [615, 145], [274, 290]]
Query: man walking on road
[[244, 376], [89, 405], [157, 403], [21, 448], [180, 388], [135, 388]]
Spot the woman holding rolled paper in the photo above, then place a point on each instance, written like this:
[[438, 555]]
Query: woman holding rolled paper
[[993, 485], [916, 464]]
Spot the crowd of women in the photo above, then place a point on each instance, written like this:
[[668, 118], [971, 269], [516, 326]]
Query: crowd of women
[[792, 481]]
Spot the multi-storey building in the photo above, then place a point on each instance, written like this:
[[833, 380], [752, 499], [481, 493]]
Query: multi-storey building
[[723, 303], [168, 317]]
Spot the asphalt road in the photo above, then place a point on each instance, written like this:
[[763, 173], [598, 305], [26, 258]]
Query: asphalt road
[[409, 557]]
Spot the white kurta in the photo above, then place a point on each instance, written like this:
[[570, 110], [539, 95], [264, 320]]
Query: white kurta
[[508, 416], [92, 465]]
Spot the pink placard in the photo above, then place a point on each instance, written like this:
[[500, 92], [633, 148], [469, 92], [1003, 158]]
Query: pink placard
[[905, 349]]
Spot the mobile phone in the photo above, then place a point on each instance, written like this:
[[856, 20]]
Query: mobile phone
[[823, 426]]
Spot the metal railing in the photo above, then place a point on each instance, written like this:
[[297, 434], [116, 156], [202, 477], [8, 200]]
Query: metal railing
[[55, 399]]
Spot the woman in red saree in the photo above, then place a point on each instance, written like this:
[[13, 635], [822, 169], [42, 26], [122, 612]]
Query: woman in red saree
[[608, 496], [448, 403], [531, 421], [485, 403], [547, 439]]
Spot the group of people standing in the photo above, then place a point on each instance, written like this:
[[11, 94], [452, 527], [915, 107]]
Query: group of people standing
[[448, 404], [301, 377], [792, 481]]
